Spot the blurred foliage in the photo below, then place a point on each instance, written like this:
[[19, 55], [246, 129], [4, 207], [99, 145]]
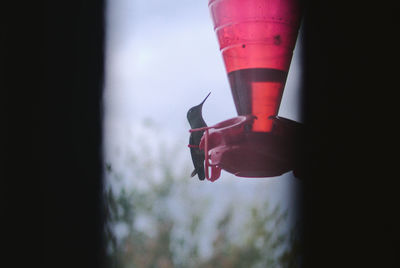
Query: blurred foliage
[[260, 243]]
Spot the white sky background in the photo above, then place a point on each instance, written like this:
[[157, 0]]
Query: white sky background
[[162, 57]]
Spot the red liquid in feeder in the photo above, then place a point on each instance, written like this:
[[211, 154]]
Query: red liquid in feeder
[[258, 91]]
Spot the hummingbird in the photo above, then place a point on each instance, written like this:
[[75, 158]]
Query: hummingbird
[[195, 118]]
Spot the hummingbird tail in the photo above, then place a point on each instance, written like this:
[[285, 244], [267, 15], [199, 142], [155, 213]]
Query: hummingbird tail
[[194, 172], [200, 174]]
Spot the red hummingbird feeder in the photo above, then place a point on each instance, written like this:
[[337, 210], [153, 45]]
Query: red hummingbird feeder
[[256, 39]]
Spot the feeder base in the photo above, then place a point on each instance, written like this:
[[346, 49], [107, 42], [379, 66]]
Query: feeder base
[[257, 155]]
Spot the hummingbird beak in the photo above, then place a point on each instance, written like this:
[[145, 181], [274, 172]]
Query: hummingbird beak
[[205, 99]]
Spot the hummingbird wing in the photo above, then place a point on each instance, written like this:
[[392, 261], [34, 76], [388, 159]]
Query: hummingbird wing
[[197, 159]]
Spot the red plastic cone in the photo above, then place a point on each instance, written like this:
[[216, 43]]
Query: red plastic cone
[[256, 38]]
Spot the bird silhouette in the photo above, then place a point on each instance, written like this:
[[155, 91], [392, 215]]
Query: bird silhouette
[[195, 118]]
